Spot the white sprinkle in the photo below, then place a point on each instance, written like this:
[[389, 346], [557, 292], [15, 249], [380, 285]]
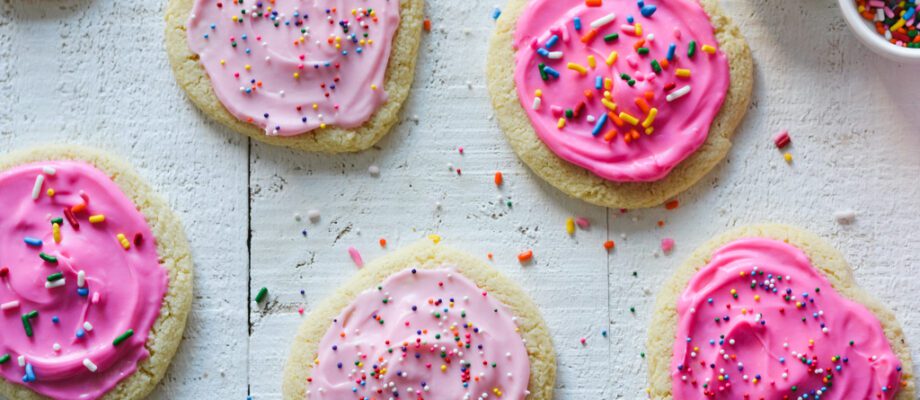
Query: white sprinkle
[[678, 93], [22, 361], [37, 189], [536, 103], [54, 284], [9, 305], [555, 55], [56, 347], [81, 278], [373, 170], [845, 217], [89, 365], [88, 326], [603, 20], [313, 215], [49, 171]]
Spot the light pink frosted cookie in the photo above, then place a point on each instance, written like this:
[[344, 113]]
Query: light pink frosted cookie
[[83, 278]]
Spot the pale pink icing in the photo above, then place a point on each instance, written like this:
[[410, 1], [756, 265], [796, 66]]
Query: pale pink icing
[[341, 71], [479, 350], [681, 126], [130, 284], [769, 336]]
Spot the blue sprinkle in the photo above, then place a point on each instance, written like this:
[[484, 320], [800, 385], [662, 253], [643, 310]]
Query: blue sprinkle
[[630, 19], [82, 291], [640, 3], [30, 374], [909, 13], [497, 12], [31, 241], [604, 333], [55, 319], [80, 332], [577, 22], [206, 35], [543, 52], [552, 41], [599, 125], [598, 82], [552, 72], [647, 11], [671, 49]]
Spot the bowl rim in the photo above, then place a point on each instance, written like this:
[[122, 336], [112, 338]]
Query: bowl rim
[[869, 37]]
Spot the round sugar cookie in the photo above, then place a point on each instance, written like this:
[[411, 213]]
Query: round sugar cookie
[[778, 290], [490, 330], [331, 105], [603, 139], [97, 277]]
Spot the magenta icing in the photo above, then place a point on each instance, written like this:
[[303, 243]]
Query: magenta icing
[[595, 136], [758, 345], [425, 334], [124, 288], [291, 66]]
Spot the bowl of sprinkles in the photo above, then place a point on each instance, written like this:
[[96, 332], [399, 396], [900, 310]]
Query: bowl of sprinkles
[[890, 28]]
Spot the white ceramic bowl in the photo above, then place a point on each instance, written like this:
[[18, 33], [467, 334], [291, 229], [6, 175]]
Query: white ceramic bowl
[[865, 32]]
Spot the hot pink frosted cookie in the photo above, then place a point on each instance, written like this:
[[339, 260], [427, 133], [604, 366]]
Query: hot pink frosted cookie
[[760, 322], [625, 91], [290, 67], [422, 334], [82, 282]]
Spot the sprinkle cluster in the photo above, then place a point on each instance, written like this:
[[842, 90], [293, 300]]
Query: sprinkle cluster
[[896, 20]]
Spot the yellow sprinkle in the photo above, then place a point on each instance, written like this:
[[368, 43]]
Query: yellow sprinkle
[[538, 93], [223, 62], [56, 232], [95, 219], [608, 83], [561, 123], [612, 58], [577, 67], [322, 125], [373, 87], [315, 106], [592, 62], [609, 104], [649, 130], [650, 118], [638, 29], [50, 192], [788, 157], [124, 241], [709, 49], [570, 226], [629, 118], [756, 297], [434, 238], [898, 25], [683, 72], [443, 368], [297, 75], [316, 361]]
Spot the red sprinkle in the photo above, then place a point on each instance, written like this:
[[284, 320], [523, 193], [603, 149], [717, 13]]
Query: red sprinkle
[[499, 179], [609, 245], [782, 139], [383, 242], [672, 204], [427, 25]]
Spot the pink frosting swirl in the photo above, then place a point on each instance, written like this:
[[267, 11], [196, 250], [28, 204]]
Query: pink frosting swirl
[[291, 66], [423, 334], [614, 98], [69, 289], [760, 322]]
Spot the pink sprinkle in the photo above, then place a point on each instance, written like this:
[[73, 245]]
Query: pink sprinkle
[[95, 297], [667, 244], [782, 139], [356, 257], [583, 341], [300, 310], [9, 305], [582, 222], [460, 149]]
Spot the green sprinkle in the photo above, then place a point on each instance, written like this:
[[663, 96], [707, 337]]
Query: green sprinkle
[[632, 310], [27, 325], [59, 221], [642, 354], [656, 67], [611, 37], [32, 314], [124, 336], [642, 50], [692, 49], [631, 82], [261, 295], [569, 114], [55, 277], [543, 74], [4, 358], [50, 259]]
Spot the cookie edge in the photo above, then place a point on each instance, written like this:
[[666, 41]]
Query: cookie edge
[[424, 254], [579, 182], [824, 257], [398, 80], [172, 248]]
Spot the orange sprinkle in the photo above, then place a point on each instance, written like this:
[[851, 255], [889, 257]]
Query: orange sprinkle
[[427, 25], [610, 135], [499, 179], [643, 105], [593, 3], [664, 63], [615, 118], [590, 36], [609, 245], [383, 242], [660, 223], [78, 207], [490, 255], [638, 44], [525, 256], [649, 95], [672, 204]]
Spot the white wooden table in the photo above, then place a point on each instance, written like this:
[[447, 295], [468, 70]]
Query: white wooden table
[[94, 72]]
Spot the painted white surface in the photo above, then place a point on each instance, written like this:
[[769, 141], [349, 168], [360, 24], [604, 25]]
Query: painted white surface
[[94, 72]]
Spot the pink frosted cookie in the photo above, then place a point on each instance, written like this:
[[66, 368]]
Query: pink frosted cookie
[[764, 320], [84, 276], [298, 73], [620, 92], [437, 327]]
